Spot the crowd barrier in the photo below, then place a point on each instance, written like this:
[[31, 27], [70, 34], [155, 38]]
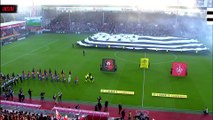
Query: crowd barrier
[[20, 104], [91, 115]]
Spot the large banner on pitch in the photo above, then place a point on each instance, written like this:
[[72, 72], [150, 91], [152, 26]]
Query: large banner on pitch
[[179, 69]]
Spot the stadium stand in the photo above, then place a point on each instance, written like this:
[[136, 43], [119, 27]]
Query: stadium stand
[[141, 23], [12, 31]]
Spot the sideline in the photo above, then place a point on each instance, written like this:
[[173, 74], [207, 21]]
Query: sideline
[[144, 79]]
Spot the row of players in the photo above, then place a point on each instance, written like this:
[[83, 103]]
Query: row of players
[[54, 76]]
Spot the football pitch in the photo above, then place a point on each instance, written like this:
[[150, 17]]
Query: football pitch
[[55, 51]]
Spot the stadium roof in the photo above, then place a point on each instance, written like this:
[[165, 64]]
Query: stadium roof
[[11, 23], [141, 3]]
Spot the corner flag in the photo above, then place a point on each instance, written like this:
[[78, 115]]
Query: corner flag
[[144, 63]]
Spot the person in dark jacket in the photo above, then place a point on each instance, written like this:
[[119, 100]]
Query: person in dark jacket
[[106, 106], [123, 114], [119, 108], [30, 93]]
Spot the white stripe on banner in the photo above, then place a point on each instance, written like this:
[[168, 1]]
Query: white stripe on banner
[[209, 16], [142, 42], [209, 22], [209, 9]]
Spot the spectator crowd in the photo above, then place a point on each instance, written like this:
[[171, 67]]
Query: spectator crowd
[[20, 115], [128, 22], [11, 34]]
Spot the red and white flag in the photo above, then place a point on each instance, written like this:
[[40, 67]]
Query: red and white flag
[[58, 115], [179, 69]]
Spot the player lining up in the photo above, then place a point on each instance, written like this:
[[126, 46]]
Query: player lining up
[[70, 76], [54, 76], [88, 77]]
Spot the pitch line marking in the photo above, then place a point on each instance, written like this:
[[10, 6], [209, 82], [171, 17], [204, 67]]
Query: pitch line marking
[[12, 46], [124, 59], [26, 54], [176, 57], [144, 78]]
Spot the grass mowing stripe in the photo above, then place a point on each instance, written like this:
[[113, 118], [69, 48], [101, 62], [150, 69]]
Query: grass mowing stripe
[[27, 53], [123, 59], [10, 47], [144, 77], [175, 58]]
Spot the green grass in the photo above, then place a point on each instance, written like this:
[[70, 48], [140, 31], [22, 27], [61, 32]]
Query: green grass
[[55, 51]]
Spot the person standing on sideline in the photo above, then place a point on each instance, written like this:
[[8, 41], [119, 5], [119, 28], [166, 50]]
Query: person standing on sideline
[[57, 77], [99, 99], [33, 73], [96, 107], [54, 98], [70, 73], [130, 115], [69, 78], [106, 106], [11, 93], [122, 114], [28, 75], [99, 106], [86, 77], [84, 52], [23, 75], [77, 106], [119, 108], [50, 72], [206, 111], [30, 94], [42, 96], [59, 96], [20, 77], [76, 80], [91, 77], [64, 78]]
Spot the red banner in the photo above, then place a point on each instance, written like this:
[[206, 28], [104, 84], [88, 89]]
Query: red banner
[[179, 69]]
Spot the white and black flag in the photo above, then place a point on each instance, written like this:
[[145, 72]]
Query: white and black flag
[[210, 16]]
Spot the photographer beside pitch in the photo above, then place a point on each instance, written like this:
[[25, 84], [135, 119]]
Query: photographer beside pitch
[[42, 96]]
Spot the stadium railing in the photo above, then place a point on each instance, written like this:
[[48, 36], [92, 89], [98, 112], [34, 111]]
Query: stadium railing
[[90, 114], [20, 104]]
